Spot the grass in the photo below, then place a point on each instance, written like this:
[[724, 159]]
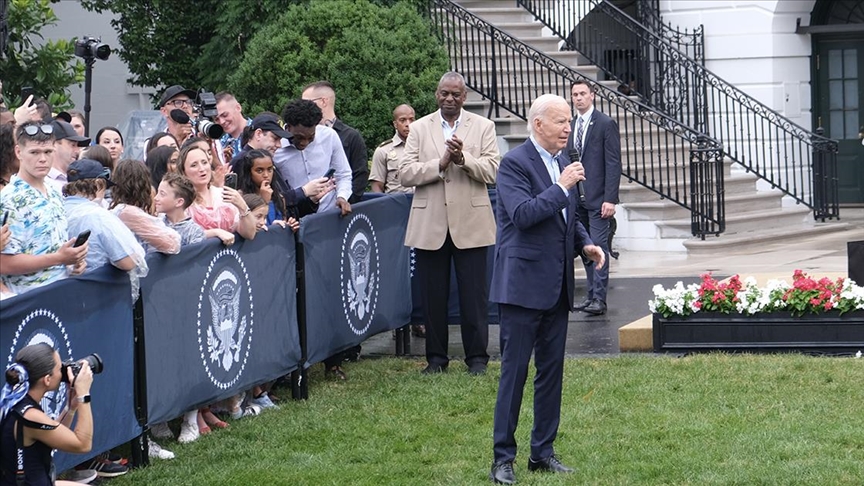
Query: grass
[[701, 420]]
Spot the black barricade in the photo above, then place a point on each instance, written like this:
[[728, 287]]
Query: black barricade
[[80, 316], [218, 321], [356, 274], [453, 301]]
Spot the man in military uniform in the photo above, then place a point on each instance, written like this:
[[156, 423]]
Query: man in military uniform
[[385, 170], [385, 161]]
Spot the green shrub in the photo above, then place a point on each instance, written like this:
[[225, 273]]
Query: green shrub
[[377, 58]]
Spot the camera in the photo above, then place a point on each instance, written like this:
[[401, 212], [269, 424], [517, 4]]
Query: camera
[[93, 360], [205, 107], [88, 48]]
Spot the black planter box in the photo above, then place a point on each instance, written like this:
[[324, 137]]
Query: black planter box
[[766, 333]]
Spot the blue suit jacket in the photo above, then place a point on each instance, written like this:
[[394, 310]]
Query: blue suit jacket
[[601, 159], [535, 248]]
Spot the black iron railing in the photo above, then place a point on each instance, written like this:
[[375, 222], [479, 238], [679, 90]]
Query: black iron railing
[[691, 43], [657, 151], [763, 141]]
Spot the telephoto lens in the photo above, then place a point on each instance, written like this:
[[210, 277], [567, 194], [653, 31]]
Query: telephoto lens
[[94, 360]]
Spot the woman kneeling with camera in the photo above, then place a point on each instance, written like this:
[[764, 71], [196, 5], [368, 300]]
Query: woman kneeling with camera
[[27, 434]]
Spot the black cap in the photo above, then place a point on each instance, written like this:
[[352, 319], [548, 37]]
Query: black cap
[[270, 123], [174, 91], [87, 169], [63, 115], [64, 130]]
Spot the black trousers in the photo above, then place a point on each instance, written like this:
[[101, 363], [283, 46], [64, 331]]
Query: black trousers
[[545, 333], [433, 268]]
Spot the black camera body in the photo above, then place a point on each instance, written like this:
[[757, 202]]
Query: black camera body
[[89, 48], [205, 107], [94, 360]]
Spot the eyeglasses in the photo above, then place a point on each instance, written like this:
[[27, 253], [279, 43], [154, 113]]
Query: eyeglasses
[[32, 130], [179, 103]]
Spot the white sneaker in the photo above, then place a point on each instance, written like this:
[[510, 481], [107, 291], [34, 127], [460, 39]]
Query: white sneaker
[[155, 451], [264, 402], [188, 432], [161, 431], [247, 411]]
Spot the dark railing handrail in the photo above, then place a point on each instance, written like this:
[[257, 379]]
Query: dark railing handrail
[[669, 181], [649, 15], [732, 120]]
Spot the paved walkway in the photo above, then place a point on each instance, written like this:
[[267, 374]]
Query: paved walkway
[[634, 274]]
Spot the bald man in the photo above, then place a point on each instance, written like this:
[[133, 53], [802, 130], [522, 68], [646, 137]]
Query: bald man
[[323, 95], [385, 161]]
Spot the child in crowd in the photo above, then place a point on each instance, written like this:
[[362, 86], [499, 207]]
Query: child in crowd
[[160, 161], [133, 204], [255, 172], [174, 196]]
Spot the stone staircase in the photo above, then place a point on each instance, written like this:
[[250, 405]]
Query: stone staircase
[[647, 222]]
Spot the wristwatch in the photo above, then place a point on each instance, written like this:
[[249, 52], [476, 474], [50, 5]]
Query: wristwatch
[[84, 399]]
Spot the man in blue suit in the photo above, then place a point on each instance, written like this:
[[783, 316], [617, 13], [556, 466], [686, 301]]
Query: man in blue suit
[[539, 235], [595, 136]]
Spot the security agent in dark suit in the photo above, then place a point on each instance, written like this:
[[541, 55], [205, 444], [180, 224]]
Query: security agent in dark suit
[[595, 136], [539, 235]]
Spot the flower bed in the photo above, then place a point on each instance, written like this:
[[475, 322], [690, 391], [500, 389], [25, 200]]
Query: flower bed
[[808, 315]]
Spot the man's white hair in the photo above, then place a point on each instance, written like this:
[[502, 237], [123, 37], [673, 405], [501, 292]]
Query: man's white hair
[[540, 106]]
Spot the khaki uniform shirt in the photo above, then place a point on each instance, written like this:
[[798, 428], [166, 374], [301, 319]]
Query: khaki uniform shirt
[[385, 165]]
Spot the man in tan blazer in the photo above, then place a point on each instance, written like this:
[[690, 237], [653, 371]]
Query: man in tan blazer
[[450, 156]]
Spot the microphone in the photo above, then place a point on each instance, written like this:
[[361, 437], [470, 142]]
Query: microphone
[[179, 116], [580, 187]]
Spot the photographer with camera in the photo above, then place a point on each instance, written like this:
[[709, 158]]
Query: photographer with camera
[[27, 435], [176, 102]]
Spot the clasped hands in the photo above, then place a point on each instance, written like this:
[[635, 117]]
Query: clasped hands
[[453, 154]]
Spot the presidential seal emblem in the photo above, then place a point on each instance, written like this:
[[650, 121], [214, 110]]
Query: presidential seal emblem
[[43, 326], [225, 319], [359, 273]]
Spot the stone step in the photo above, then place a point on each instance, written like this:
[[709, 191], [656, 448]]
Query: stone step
[[473, 4], [738, 203], [508, 14], [762, 237], [520, 69], [734, 183], [791, 218], [482, 55]]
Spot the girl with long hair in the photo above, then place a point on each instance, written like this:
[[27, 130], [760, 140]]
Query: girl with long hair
[[133, 204]]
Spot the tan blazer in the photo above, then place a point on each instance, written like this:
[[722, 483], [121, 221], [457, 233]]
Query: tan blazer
[[457, 199]]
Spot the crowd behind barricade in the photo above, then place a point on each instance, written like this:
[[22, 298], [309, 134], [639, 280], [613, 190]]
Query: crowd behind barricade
[[71, 203]]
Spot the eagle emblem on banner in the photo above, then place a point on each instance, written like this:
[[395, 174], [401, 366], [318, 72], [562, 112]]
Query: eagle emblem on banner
[[227, 329], [359, 273], [362, 283]]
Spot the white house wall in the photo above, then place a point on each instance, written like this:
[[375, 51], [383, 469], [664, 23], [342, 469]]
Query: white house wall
[[753, 45]]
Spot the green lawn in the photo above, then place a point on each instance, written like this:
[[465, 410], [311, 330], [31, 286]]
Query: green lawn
[[709, 419]]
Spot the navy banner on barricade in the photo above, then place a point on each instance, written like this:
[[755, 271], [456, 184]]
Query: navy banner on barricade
[[453, 313], [356, 274], [79, 316], [219, 320]]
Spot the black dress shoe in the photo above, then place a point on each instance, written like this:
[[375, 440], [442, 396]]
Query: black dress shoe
[[585, 303], [550, 464], [502, 473], [477, 369], [432, 369], [597, 308]]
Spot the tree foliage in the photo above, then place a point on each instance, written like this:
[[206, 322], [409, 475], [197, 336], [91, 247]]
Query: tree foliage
[[47, 66], [376, 57]]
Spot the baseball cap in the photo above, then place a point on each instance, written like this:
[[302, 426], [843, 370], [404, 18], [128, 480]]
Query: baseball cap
[[64, 130], [63, 115], [174, 91], [87, 169], [271, 123]]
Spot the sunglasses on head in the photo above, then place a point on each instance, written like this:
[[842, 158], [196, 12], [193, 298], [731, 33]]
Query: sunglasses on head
[[32, 130]]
